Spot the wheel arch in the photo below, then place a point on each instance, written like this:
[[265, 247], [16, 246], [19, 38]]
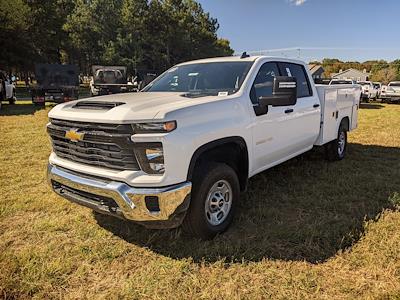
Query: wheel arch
[[346, 122], [230, 150]]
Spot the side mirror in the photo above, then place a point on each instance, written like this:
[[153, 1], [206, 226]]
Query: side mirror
[[284, 92]]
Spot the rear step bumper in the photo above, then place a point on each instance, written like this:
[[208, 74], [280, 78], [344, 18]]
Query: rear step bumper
[[145, 205]]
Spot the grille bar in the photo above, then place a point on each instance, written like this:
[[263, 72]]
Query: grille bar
[[104, 145]]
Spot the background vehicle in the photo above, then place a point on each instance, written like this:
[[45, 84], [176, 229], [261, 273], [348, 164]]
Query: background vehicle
[[378, 87], [368, 90], [55, 83], [7, 89], [183, 148], [391, 92], [110, 80]]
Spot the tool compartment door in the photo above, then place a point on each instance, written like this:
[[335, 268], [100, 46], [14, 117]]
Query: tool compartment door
[[328, 96]]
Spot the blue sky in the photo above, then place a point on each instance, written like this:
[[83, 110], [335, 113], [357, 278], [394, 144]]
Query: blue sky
[[344, 29]]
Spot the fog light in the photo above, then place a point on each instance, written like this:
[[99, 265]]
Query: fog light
[[150, 157], [155, 158]]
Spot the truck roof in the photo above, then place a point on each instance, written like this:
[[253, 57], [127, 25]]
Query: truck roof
[[238, 59]]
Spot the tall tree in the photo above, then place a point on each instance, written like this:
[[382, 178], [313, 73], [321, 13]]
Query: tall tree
[[140, 34], [15, 49]]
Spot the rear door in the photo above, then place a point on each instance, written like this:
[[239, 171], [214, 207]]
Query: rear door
[[306, 116]]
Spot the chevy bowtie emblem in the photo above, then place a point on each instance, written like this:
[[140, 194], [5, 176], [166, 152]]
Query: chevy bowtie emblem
[[74, 136]]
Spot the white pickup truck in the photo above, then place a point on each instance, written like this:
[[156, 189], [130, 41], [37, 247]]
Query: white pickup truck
[[182, 149], [391, 92], [368, 90], [7, 89]]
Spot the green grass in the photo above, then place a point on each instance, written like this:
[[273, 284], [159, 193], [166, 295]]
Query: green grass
[[304, 229]]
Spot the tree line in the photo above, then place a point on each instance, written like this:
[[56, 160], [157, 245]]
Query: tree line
[[380, 70], [140, 34]]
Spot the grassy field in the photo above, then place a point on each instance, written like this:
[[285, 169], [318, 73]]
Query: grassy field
[[305, 229]]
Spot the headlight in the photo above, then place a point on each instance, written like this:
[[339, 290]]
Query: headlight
[[150, 157], [156, 127]]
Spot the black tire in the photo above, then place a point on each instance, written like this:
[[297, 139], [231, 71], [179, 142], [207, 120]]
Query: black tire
[[206, 178], [335, 150]]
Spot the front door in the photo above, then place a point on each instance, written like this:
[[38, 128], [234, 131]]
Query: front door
[[281, 132], [273, 129]]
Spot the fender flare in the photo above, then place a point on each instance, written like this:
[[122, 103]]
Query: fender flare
[[216, 143]]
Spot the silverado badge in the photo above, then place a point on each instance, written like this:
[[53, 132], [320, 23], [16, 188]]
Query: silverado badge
[[73, 135]]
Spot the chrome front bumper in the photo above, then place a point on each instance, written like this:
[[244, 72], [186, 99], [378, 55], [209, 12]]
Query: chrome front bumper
[[118, 198]]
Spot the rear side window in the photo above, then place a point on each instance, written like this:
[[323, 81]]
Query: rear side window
[[297, 71], [264, 81]]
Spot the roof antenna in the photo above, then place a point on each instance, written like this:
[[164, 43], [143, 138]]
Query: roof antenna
[[244, 55]]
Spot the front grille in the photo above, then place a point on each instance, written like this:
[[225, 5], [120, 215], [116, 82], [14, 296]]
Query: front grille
[[103, 145]]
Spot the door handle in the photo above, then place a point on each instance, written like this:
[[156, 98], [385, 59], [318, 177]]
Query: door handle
[[316, 105], [288, 111]]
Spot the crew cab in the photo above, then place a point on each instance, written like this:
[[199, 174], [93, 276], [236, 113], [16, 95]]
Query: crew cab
[[368, 90], [181, 150], [391, 92]]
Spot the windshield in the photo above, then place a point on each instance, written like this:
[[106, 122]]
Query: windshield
[[394, 84], [202, 78]]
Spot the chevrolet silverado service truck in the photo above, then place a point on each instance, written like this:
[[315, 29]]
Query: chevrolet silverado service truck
[[181, 150]]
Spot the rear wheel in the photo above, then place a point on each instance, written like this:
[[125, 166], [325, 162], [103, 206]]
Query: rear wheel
[[336, 150], [215, 194]]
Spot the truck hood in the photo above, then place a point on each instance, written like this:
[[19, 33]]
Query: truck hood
[[125, 108]]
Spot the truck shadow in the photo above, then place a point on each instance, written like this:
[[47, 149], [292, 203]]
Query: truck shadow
[[19, 109], [371, 106], [305, 209]]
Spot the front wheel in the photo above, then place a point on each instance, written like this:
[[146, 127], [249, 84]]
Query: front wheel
[[215, 194], [336, 150]]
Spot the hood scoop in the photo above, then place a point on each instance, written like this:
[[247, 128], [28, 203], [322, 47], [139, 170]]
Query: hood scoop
[[100, 105]]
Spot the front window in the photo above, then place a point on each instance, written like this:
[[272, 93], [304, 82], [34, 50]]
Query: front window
[[394, 84], [201, 79]]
